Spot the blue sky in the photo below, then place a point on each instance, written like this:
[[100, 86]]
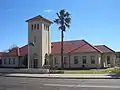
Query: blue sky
[[96, 21]]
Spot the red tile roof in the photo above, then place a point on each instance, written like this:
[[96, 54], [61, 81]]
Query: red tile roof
[[68, 46], [105, 49], [1, 53], [14, 52], [74, 46], [24, 50]]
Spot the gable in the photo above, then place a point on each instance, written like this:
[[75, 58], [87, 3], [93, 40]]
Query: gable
[[105, 49]]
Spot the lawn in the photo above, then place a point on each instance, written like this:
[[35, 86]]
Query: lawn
[[91, 71]]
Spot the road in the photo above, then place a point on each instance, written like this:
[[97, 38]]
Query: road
[[17, 83]]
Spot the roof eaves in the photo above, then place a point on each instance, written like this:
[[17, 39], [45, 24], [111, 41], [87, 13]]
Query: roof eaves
[[40, 17], [109, 48]]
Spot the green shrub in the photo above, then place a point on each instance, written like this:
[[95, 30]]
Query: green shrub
[[116, 70]]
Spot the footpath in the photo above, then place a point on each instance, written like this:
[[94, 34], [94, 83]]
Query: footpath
[[63, 76]]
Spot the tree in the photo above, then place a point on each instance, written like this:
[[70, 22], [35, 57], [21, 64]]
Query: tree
[[63, 20], [12, 47]]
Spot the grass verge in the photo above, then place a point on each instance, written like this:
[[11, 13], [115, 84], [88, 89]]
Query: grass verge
[[91, 71]]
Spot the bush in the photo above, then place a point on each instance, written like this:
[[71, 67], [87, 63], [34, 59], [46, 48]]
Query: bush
[[116, 70], [57, 71]]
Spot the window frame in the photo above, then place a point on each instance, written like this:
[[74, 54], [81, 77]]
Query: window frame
[[84, 59], [37, 26], [44, 26], [76, 60], [32, 26], [65, 60], [5, 62], [14, 61], [9, 60], [108, 62], [48, 27], [92, 60], [55, 61]]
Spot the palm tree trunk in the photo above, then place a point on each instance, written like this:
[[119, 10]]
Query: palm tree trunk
[[62, 36]]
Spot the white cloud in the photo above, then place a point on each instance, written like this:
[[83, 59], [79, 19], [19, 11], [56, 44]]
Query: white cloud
[[48, 10]]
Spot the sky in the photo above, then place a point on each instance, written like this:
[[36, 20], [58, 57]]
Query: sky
[[96, 21]]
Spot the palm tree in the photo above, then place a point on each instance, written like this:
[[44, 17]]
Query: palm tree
[[63, 20]]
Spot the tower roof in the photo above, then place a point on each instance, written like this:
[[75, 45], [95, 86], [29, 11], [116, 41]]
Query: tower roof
[[39, 17]]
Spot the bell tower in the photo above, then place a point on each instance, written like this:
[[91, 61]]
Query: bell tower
[[39, 43]]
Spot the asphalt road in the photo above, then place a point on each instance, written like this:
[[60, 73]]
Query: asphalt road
[[16, 83]]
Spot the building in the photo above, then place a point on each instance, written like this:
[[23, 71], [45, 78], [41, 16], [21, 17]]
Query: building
[[15, 58], [39, 37], [81, 54], [77, 53], [117, 58]]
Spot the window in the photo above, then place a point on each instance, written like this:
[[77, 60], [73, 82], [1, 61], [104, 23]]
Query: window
[[13, 60], [55, 60], [119, 56], [37, 26], [108, 59], [65, 60], [5, 61], [84, 59], [44, 26], [92, 59], [34, 38], [75, 59], [9, 60], [48, 28], [34, 26]]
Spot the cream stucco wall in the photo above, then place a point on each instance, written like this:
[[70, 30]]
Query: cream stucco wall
[[100, 60], [70, 60], [88, 59], [42, 44]]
